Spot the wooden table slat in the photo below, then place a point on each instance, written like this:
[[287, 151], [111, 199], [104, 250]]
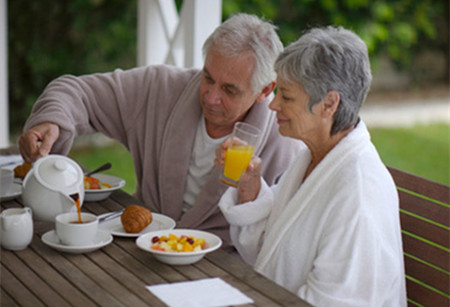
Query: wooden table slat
[[50, 276], [16, 289], [32, 281], [259, 298], [6, 299], [75, 275], [245, 273]]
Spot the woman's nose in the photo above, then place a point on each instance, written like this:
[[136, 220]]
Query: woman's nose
[[273, 105]]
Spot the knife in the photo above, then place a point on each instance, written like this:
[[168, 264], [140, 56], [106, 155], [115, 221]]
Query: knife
[[110, 216]]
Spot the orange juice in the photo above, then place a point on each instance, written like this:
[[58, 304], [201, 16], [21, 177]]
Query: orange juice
[[237, 159]]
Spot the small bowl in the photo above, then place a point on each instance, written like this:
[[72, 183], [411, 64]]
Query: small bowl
[[144, 242], [101, 194]]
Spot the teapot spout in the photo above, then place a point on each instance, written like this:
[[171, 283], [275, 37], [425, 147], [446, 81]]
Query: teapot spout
[[72, 201]]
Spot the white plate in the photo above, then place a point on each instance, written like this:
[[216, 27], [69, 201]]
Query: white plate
[[102, 239], [114, 226], [14, 191], [144, 242], [101, 194]]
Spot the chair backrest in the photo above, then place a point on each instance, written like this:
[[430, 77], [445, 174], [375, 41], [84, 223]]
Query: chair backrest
[[425, 222]]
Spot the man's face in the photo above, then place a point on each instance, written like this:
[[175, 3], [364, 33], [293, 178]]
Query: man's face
[[225, 90]]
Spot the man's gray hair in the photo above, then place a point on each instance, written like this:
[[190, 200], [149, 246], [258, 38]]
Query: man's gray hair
[[327, 59], [244, 33]]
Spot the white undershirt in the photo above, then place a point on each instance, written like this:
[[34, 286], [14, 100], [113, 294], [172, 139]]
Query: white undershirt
[[201, 164]]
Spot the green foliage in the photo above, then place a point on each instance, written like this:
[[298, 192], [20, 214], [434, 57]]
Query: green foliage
[[392, 27], [50, 38]]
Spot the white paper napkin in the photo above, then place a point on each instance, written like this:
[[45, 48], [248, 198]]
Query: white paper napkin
[[211, 292]]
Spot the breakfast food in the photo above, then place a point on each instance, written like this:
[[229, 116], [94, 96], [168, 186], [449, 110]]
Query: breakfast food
[[135, 218], [172, 243], [21, 170], [92, 183]]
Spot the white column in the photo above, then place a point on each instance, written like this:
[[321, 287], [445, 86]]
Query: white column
[[202, 17], [166, 38], [4, 110], [157, 20]]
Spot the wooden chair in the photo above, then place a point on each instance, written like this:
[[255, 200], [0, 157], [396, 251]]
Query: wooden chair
[[425, 222]]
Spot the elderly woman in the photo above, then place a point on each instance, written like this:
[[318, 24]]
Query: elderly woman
[[329, 230]]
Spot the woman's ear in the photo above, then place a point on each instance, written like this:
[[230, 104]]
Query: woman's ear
[[266, 91], [330, 104]]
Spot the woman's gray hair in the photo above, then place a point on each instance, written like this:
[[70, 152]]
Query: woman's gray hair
[[327, 59], [243, 33]]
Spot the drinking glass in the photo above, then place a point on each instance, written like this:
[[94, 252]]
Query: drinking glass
[[244, 140]]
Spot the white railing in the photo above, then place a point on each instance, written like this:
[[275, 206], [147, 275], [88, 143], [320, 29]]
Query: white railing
[[164, 37]]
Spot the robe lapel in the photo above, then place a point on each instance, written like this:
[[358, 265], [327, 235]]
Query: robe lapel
[[206, 204], [308, 194], [176, 149]]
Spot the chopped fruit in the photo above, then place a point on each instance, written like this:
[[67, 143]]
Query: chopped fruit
[[178, 244], [92, 183]]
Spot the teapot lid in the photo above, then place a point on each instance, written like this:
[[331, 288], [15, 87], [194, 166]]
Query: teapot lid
[[59, 173]]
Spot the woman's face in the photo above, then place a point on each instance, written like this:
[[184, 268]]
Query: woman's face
[[294, 118]]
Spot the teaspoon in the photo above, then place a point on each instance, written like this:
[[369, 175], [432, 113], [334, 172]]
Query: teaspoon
[[104, 167]]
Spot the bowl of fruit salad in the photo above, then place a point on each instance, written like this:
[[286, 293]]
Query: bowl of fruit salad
[[179, 246], [99, 186]]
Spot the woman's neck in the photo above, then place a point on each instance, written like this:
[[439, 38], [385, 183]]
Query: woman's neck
[[321, 147]]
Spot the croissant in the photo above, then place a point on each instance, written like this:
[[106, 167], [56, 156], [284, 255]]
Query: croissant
[[21, 170], [135, 218]]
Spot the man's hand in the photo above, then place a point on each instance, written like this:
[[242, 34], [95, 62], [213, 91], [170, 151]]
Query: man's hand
[[38, 141]]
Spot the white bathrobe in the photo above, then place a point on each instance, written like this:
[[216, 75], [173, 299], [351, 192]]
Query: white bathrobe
[[334, 239]]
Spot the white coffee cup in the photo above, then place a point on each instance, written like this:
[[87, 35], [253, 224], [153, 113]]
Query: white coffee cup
[[16, 228], [7, 178], [70, 232]]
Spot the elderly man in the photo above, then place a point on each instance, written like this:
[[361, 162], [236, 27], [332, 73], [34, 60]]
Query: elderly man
[[171, 120]]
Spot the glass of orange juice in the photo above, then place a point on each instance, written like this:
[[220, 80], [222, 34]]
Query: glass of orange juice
[[244, 140]]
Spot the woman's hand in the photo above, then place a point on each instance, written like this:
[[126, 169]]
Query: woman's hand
[[250, 181]]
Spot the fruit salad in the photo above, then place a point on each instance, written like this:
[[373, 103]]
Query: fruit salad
[[172, 243], [92, 183]]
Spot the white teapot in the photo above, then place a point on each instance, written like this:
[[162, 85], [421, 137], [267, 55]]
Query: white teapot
[[16, 228], [52, 186]]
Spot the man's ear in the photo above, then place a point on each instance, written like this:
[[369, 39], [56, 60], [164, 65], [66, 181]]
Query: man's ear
[[266, 91], [330, 104]]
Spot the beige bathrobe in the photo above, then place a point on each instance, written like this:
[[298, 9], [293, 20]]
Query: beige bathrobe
[[154, 111]]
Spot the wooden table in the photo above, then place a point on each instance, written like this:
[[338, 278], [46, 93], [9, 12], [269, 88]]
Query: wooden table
[[117, 274]]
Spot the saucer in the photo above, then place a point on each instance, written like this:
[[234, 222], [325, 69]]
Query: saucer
[[14, 191], [102, 239], [159, 222]]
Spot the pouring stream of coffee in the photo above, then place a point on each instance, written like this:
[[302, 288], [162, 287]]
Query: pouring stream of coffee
[[76, 199], [104, 167]]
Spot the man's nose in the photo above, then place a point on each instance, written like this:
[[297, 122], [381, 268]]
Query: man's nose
[[213, 95]]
